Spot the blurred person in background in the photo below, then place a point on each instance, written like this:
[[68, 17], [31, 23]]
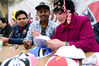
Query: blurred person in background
[[5, 28]]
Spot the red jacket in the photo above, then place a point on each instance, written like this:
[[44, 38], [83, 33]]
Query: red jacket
[[79, 33]]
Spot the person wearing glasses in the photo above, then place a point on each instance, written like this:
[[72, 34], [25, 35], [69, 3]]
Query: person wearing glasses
[[19, 30]]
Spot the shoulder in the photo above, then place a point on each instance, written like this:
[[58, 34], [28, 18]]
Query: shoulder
[[83, 19], [28, 24], [35, 22], [59, 27], [52, 23], [16, 26], [8, 26], [79, 20]]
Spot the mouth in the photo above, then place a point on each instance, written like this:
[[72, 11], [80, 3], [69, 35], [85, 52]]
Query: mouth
[[44, 17], [60, 20]]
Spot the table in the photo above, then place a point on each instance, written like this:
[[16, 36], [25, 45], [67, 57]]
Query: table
[[7, 52]]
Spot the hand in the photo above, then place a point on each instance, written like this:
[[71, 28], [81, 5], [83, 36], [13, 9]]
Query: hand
[[4, 39], [55, 44], [27, 44], [35, 33]]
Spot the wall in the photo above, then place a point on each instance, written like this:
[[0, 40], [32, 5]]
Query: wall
[[3, 9]]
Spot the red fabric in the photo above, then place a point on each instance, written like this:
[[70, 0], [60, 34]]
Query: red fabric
[[57, 61], [78, 33]]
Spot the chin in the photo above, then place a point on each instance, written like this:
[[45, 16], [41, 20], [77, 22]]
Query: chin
[[61, 22]]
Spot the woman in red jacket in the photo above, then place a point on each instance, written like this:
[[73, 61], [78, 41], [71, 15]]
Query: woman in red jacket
[[73, 30]]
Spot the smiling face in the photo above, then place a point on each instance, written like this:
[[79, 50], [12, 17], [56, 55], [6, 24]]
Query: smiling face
[[22, 20], [43, 14], [61, 16]]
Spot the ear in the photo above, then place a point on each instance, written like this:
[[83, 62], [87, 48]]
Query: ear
[[37, 12]]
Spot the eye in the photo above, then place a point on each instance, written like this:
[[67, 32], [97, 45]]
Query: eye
[[19, 18], [60, 12], [24, 18]]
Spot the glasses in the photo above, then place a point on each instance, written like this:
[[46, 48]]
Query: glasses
[[21, 18]]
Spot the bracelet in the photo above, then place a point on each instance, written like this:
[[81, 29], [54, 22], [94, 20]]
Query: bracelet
[[66, 43]]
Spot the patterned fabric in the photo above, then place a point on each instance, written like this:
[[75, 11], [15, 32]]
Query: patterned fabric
[[50, 29], [18, 34]]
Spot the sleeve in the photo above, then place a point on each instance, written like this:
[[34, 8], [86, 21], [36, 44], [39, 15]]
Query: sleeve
[[16, 41], [13, 40], [13, 33], [7, 31], [87, 40], [96, 32], [29, 35]]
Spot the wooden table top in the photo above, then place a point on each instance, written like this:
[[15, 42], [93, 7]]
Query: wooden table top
[[7, 52]]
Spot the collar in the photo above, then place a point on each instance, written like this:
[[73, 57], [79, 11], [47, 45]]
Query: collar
[[23, 26], [71, 25], [49, 23]]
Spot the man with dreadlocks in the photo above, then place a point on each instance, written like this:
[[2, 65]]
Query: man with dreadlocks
[[73, 30]]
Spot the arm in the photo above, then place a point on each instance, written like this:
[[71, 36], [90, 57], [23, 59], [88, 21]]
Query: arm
[[29, 37], [87, 40], [15, 41]]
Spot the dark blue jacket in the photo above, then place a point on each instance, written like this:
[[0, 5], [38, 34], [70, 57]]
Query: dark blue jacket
[[18, 34], [96, 31]]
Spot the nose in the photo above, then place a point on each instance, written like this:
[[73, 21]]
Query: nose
[[21, 20], [58, 16]]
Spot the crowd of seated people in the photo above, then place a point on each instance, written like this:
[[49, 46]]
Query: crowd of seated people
[[73, 29]]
